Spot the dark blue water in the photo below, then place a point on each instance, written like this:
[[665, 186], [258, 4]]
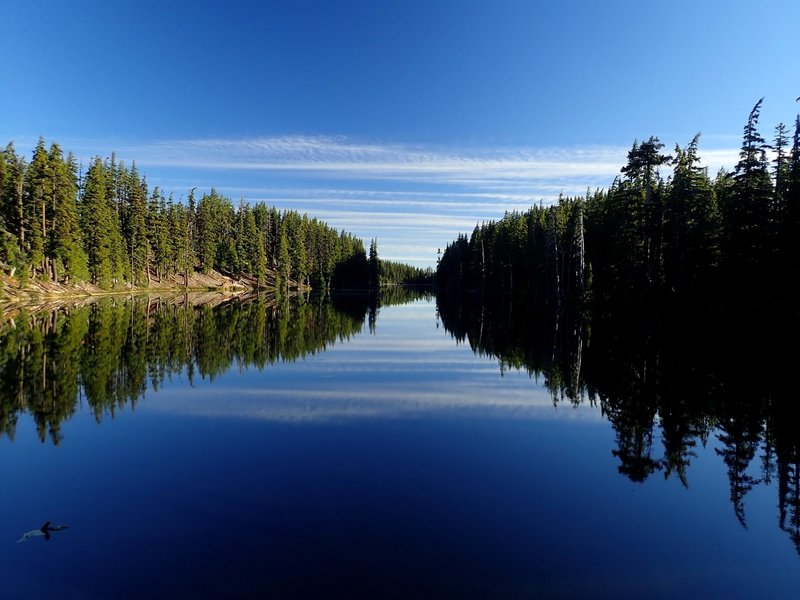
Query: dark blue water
[[395, 464]]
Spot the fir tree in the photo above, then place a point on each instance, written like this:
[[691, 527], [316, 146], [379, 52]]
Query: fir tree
[[284, 259], [374, 265], [136, 228], [97, 225], [35, 196], [70, 256], [748, 217], [11, 202]]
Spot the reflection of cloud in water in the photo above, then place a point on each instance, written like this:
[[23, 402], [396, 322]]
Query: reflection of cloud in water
[[407, 370], [321, 405]]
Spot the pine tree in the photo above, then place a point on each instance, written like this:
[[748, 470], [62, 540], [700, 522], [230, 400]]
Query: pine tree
[[97, 225], [70, 257], [298, 257], [179, 238], [11, 195], [158, 233], [253, 246], [116, 177], [35, 196], [374, 265], [790, 230], [135, 228], [191, 231], [242, 243], [205, 238], [642, 171], [748, 216], [284, 259], [781, 172], [691, 227]]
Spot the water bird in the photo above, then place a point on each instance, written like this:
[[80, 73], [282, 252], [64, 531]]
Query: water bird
[[44, 530]]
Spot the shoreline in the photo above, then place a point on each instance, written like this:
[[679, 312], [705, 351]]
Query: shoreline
[[42, 292]]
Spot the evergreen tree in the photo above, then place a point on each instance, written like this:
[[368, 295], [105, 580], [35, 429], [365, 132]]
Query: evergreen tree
[[295, 229], [135, 228], [97, 223], [179, 227], [642, 172], [116, 189], [790, 230], [159, 235], [691, 229], [374, 265], [262, 216], [747, 216], [11, 202], [35, 197], [205, 239], [190, 255], [284, 259], [70, 257], [782, 170]]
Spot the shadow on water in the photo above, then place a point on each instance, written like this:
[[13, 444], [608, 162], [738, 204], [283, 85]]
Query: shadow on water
[[681, 379]]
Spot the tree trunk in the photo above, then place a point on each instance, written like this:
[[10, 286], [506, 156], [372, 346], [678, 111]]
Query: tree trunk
[[21, 217], [44, 238]]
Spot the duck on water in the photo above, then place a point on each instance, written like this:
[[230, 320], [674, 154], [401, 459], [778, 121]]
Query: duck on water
[[45, 530]]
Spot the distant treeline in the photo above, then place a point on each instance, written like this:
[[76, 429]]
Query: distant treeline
[[106, 227], [397, 273], [687, 242]]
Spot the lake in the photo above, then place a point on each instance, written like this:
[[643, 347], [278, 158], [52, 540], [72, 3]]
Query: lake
[[351, 449]]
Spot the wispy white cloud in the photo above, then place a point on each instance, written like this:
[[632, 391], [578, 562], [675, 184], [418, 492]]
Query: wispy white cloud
[[413, 197], [491, 172], [342, 158]]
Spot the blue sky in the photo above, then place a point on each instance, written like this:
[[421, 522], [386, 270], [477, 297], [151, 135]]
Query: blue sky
[[408, 121]]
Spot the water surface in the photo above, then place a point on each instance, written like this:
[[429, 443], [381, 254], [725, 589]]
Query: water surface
[[378, 459]]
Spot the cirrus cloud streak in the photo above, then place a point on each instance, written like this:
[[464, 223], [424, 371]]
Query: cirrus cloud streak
[[414, 198]]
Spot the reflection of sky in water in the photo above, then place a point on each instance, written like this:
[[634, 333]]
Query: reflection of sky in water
[[294, 498], [401, 370]]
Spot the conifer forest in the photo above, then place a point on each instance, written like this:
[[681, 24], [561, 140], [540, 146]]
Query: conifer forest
[[106, 227]]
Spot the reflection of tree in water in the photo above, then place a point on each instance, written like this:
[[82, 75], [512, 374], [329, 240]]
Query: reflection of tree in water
[[787, 468], [680, 381], [739, 449], [107, 353]]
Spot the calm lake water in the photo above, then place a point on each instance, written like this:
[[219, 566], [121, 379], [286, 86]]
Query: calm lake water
[[377, 459]]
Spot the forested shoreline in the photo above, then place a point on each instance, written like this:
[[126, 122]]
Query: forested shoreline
[[106, 227], [666, 301], [684, 243]]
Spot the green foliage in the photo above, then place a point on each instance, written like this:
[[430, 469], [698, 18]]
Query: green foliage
[[396, 273], [71, 262], [109, 353], [649, 245], [112, 231], [97, 220], [135, 227], [374, 266], [284, 260], [36, 193], [11, 200]]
